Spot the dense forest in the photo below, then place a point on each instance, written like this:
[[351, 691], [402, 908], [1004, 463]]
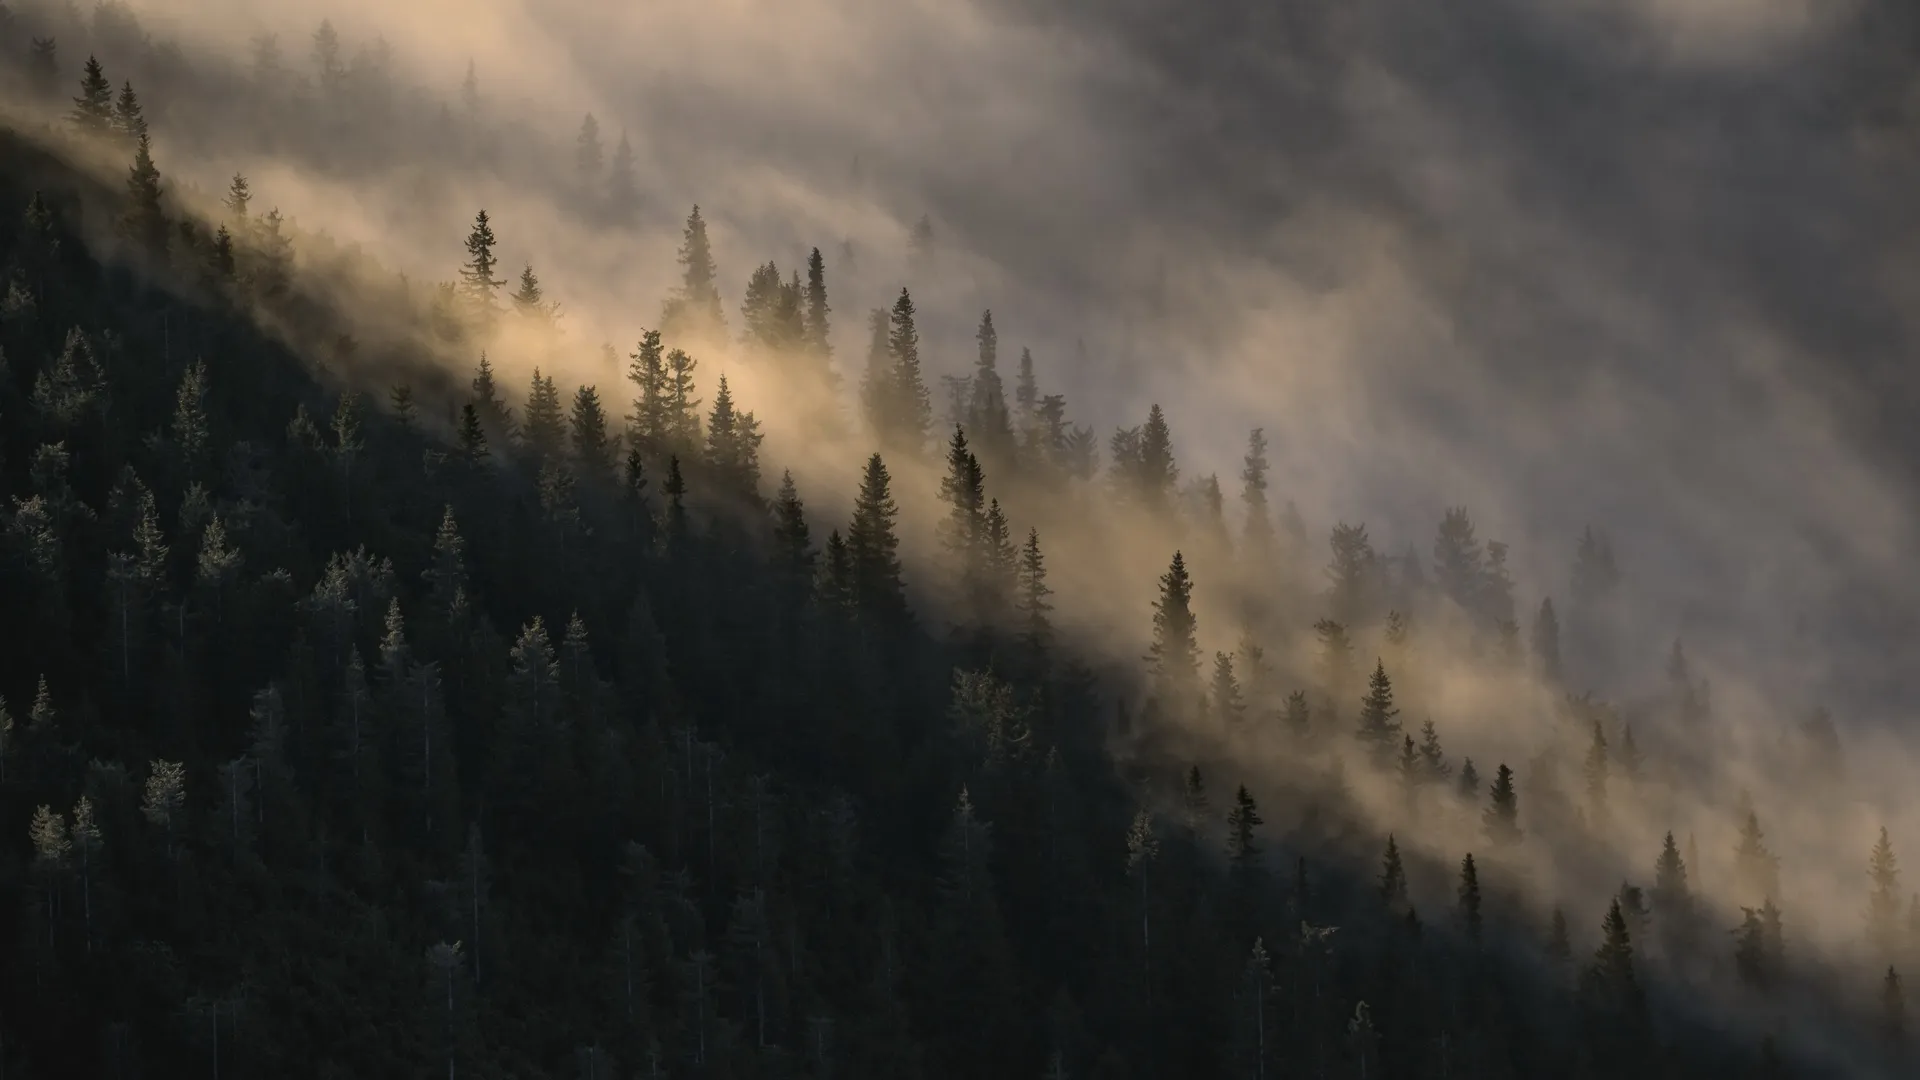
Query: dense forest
[[369, 715]]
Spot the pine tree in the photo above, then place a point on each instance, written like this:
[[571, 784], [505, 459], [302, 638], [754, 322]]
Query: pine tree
[[545, 432], [1298, 717], [472, 437], [873, 548], [694, 310], [1243, 846], [587, 430], [733, 445], [963, 531], [1610, 981], [987, 414], [589, 157], [529, 300], [1501, 818], [1393, 878], [909, 415], [1432, 756], [792, 542], [477, 283], [1195, 807], [1893, 1007], [683, 408], [1559, 943], [1671, 900], [43, 67], [1379, 727], [650, 425], [144, 222], [623, 188], [1546, 642], [127, 118], [326, 58], [1756, 869], [1253, 494], [1596, 774], [1175, 654], [93, 109], [1351, 575], [1224, 693], [818, 335], [1883, 901], [1036, 629], [1470, 898]]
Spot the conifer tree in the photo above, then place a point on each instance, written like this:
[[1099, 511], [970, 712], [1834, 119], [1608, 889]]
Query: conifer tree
[[683, 408], [1297, 717], [1393, 878], [792, 542], [1883, 900], [1194, 804], [694, 310], [1893, 1007], [1351, 575], [1036, 628], [1546, 642], [1243, 845], [1559, 942], [477, 284], [589, 157], [127, 118], [1750, 954], [963, 530], [1224, 693], [93, 109], [733, 445], [1671, 899], [545, 432], [1410, 771], [326, 58], [1259, 534], [1379, 727], [43, 67], [1432, 756], [623, 187], [238, 198], [1501, 818], [1756, 869], [144, 222], [1610, 980], [1469, 783], [818, 332], [650, 425], [1596, 773], [587, 431], [472, 437], [909, 412], [873, 548], [987, 414], [1470, 898], [1175, 654], [529, 300]]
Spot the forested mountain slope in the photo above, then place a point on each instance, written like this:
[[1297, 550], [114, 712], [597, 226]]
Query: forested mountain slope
[[360, 720]]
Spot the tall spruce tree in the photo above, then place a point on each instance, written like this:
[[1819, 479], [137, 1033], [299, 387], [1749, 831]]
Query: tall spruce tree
[[1379, 730], [145, 222], [873, 548], [1175, 652], [1501, 818], [478, 286], [93, 109]]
